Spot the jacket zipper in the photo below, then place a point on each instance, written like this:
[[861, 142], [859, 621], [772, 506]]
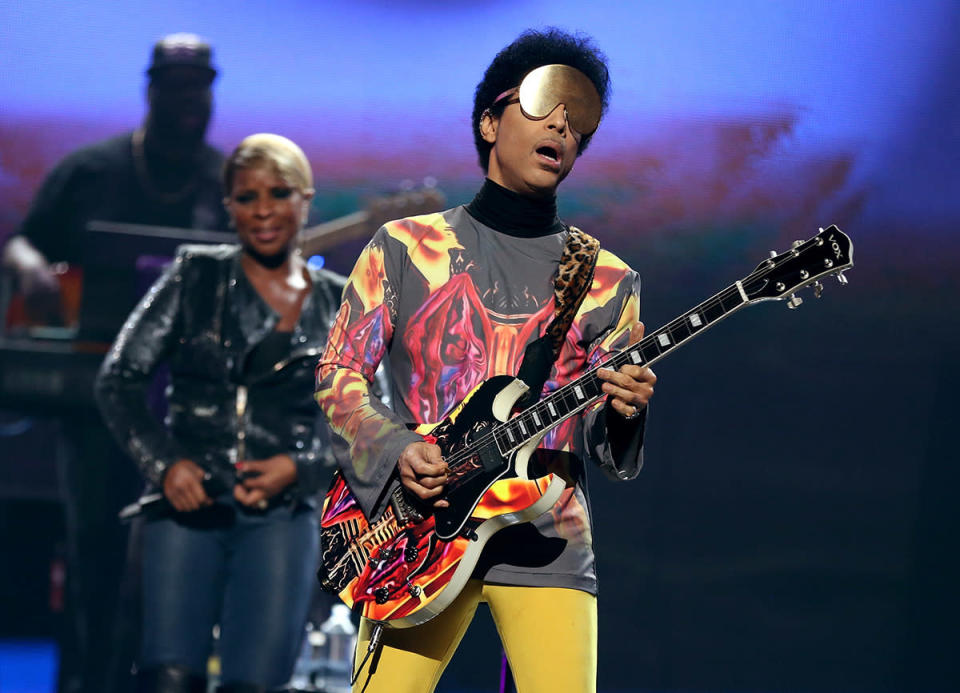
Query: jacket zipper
[[240, 452]]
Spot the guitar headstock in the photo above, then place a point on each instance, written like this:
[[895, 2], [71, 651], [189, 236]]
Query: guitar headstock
[[408, 202], [828, 253]]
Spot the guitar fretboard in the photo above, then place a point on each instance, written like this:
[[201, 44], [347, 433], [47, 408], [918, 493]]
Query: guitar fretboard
[[585, 390]]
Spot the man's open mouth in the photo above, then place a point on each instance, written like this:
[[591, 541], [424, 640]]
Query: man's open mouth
[[550, 152]]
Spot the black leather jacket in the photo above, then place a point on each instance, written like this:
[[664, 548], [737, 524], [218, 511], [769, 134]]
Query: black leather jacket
[[203, 317]]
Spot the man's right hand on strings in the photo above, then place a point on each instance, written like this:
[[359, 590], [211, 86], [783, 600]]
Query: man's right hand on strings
[[423, 472]]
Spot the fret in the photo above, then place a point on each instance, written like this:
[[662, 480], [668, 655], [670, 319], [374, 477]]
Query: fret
[[534, 422], [539, 417], [731, 301], [575, 396], [565, 406], [650, 350], [675, 335], [568, 402], [680, 331], [713, 312], [523, 433], [593, 386]]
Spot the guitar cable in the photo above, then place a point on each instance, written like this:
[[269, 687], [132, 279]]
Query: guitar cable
[[372, 646]]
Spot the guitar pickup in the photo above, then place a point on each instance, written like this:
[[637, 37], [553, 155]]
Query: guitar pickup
[[490, 458]]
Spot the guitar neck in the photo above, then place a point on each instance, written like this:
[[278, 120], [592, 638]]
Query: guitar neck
[[828, 253], [586, 390], [320, 238]]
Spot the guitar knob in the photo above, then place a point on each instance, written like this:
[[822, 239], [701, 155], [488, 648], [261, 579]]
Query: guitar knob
[[381, 557], [414, 591], [794, 301], [381, 595], [840, 278], [410, 554]]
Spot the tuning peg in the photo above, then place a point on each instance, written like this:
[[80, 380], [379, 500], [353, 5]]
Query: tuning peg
[[773, 253], [840, 278], [817, 289], [794, 301], [797, 244]]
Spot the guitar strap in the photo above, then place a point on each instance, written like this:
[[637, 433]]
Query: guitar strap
[[570, 287]]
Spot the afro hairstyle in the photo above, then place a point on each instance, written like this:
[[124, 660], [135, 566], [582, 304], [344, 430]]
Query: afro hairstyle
[[530, 50]]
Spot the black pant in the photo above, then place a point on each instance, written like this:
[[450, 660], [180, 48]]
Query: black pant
[[97, 481]]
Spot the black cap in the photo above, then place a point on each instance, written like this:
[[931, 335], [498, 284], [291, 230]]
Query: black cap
[[181, 50]]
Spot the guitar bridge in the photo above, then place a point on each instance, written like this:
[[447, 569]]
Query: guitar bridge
[[403, 508]]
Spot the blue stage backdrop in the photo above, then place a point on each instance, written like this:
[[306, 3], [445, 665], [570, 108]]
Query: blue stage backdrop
[[794, 528]]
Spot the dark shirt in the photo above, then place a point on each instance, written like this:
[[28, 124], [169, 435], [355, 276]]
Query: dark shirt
[[274, 348], [100, 182]]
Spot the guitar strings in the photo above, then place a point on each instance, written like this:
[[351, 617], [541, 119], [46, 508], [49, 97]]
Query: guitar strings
[[616, 359]]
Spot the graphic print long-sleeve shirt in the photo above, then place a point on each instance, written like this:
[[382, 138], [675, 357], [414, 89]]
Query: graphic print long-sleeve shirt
[[451, 302]]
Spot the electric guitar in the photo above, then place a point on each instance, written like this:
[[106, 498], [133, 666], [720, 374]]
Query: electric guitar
[[414, 560]]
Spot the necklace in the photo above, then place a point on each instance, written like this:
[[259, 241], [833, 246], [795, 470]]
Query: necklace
[[146, 181]]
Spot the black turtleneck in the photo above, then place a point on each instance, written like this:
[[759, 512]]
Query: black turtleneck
[[514, 214]]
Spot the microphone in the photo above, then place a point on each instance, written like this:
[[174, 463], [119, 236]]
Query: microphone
[[155, 505]]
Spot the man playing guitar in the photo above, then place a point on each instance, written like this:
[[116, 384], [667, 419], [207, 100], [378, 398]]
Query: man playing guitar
[[454, 298]]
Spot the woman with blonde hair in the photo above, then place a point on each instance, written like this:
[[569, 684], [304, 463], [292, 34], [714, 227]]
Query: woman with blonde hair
[[242, 453]]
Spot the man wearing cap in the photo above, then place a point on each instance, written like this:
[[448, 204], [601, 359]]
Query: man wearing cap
[[454, 298], [163, 173]]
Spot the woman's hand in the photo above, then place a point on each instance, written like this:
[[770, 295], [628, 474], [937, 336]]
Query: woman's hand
[[266, 479], [183, 486]]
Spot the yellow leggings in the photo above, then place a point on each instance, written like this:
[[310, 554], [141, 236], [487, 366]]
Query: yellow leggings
[[548, 633]]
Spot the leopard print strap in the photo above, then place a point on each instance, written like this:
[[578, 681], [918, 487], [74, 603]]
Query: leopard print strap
[[574, 277]]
